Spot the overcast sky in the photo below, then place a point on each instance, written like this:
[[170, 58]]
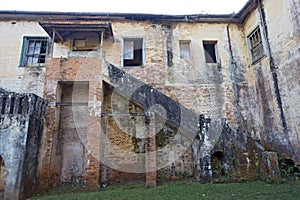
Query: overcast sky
[[128, 6]]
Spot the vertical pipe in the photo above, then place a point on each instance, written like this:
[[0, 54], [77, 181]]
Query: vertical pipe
[[233, 74], [272, 66]]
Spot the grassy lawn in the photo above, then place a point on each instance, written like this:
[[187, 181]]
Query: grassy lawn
[[179, 190]]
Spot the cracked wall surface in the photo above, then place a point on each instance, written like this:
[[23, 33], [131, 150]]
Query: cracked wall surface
[[21, 128], [252, 109]]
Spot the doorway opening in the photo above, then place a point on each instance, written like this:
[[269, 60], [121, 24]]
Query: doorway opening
[[73, 104], [218, 164]]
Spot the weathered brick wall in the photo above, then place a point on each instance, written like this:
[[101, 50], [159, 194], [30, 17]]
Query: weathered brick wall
[[255, 104], [271, 104], [208, 86], [87, 70], [123, 143], [285, 35], [13, 77], [73, 129]]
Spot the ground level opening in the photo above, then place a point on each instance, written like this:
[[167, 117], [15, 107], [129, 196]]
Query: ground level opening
[[288, 167], [72, 102], [218, 164]]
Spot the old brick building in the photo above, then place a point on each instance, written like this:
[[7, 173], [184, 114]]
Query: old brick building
[[140, 97]]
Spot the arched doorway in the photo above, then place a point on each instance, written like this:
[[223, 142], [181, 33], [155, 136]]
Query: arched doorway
[[218, 164], [287, 167], [3, 174]]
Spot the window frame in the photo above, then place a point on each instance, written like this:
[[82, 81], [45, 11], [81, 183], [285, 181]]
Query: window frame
[[259, 45], [189, 52], [90, 41], [123, 53], [216, 55], [25, 55]]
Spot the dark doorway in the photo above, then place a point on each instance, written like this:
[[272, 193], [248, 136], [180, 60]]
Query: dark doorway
[[73, 130], [218, 164], [287, 167]]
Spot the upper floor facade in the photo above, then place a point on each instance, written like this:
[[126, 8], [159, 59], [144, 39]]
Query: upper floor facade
[[242, 61]]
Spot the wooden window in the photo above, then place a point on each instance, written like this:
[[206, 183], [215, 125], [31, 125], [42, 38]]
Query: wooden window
[[128, 49], [79, 44], [210, 51], [86, 41], [34, 51], [133, 52], [255, 45], [185, 50]]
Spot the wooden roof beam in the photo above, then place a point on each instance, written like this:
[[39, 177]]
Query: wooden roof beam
[[58, 35]]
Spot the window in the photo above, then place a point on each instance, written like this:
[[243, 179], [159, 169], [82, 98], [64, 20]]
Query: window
[[185, 51], [255, 45], [34, 51], [85, 41], [133, 54], [79, 44], [210, 51]]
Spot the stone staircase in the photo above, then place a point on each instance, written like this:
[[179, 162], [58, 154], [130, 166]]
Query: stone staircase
[[176, 115], [188, 123]]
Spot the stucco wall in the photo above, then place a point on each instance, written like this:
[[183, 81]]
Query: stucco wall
[[13, 77], [259, 100], [268, 122]]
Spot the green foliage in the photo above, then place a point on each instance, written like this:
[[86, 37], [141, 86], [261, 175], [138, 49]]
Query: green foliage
[[289, 170], [187, 174], [180, 190]]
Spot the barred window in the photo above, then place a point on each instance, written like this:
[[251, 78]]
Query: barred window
[[255, 45], [34, 51]]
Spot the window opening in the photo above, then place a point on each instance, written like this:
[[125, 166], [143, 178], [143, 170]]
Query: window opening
[[133, 52], [34, 52], [255, 45], [210, 51], [185, 50]]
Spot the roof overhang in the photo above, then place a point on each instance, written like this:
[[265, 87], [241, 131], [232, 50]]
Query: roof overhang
[[63, 30]]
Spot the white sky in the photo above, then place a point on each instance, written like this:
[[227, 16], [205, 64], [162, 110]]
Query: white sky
[[128, 6]]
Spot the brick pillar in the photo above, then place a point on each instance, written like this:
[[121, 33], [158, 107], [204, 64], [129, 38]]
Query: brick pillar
[[92, 173], [150, 149]]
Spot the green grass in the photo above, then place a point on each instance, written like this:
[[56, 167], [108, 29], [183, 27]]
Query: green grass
[[179, 190]]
